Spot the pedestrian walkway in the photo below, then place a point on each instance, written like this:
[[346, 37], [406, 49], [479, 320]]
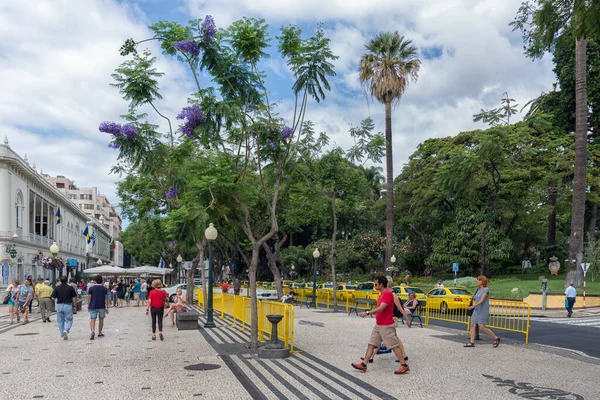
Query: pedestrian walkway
[[593, 322], [5, 325], [218, 364]]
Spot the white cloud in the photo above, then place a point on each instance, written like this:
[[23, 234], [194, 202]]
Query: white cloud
[[56, 58]]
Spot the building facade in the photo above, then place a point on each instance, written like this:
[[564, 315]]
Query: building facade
[[28, 223], [96, 206]]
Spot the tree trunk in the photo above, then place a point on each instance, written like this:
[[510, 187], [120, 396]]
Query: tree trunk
[[389, 204], [190, 276], [551, 240], [273, 267], [331, 259], [253, 301], [574, 273]]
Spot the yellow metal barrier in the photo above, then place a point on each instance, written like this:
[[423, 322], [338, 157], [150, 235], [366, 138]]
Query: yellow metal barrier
[[239, 308], [513, 316]]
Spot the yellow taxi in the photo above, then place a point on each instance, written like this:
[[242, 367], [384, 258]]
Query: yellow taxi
[[325, 290], [450, 298], [403, 291], [366, 290], [344, 292], [286, 283]]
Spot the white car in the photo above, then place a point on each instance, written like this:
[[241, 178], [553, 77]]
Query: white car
[[172, 290]]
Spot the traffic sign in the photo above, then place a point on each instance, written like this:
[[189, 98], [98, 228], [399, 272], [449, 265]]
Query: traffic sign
[[584, 267], [455, 267]]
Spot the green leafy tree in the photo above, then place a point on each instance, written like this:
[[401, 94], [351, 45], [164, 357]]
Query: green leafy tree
[[385, 70], [542, 22]]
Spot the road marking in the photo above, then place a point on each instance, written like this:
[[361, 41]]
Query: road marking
[[591, 322]]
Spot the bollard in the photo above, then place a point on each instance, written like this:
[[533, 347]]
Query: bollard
[[544, 289]]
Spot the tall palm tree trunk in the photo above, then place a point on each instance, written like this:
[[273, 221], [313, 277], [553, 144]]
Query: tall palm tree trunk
[[551, 236], [389, 204], [574, 273]]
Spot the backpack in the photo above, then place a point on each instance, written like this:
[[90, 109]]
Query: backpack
[[397, 312]]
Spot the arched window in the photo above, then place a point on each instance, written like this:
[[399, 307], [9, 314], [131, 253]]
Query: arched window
[[19, 205]]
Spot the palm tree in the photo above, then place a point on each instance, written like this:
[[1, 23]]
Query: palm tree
[[375, 180], [384, 72]]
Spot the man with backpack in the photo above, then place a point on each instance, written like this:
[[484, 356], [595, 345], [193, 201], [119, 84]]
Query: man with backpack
[[384, 329]]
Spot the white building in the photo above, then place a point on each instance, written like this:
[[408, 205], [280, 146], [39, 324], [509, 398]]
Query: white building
[[28, 206], [94, 205]]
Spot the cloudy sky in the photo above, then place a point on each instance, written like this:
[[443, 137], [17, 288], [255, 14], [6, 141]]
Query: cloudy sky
[[56, 57]]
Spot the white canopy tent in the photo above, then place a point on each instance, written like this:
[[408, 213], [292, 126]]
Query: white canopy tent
[[149, 270], [106, 270]]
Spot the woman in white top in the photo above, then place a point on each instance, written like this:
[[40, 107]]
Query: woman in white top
[[144, 292]]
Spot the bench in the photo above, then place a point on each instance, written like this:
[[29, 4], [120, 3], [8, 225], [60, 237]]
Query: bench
[[306, 302], [366, 304], [187, 320], [417, 313]]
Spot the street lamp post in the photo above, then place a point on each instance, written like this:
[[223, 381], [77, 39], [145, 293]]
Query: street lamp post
[[54, 249], [316, 255], [99, 262], [179, 260], [293, 273], [211, 234], [392, 261]]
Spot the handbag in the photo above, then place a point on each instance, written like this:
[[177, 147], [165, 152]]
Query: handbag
[[566, 304], [6, 298], [470, 312], [166, 300]]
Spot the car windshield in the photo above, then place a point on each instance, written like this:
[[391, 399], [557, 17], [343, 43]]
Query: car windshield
[[328, 286], [395, 290], [414, 290], [348, 287], [459, 291]]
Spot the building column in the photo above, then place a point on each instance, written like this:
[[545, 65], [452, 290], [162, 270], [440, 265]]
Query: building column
[[7, 202]]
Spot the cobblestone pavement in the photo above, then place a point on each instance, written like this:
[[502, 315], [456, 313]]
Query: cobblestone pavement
[[127, 364]]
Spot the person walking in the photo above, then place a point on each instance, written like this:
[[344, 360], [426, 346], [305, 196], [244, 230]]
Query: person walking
[[570, 295], [384, 329], [97, 306], [137, 292], [156, 305], [481, 312], [25, 299], [66, 303], [120, 292], [44, 294], [33, 296], [143, 292], [13, 301]]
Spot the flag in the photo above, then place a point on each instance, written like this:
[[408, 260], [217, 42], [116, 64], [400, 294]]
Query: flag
[[86, 233], [112, 242], [58, 216], [93, 238], [161, 264]]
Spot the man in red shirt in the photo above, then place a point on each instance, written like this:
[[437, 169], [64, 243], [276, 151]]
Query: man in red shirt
[[225, 287], [384, 329]]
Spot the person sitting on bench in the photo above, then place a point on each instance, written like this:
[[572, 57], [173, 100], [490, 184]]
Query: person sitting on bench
[[411, 305], [177, 306]]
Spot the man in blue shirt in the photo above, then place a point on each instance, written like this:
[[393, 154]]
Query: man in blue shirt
[[137, 290], [97, 306], [570, 295]]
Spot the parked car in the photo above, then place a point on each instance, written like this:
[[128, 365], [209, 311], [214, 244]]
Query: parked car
[[344, 292], [324, 290], [171, 290], [366, 290], [403, 291], [450, 298]]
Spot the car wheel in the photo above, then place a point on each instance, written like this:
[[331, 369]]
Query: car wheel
[[172, 298], [443, 307]]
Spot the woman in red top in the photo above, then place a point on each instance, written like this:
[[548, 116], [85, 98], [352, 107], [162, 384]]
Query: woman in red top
[[156, 307]]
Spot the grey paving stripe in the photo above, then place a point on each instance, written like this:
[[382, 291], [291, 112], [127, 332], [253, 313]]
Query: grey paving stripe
[[371, 389], [262, 378], [312, 388], [230, 335], [326, 385], [215, 331], [282, 380], [343, 384], [250, 387]]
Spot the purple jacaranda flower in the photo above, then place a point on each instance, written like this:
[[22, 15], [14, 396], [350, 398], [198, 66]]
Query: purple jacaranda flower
[[113, 145], [270, 142], [172, 243], [172, 193], [188, 46], [286, 132], [110, 127], [129, 130], [193, 117], [209, 29]]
